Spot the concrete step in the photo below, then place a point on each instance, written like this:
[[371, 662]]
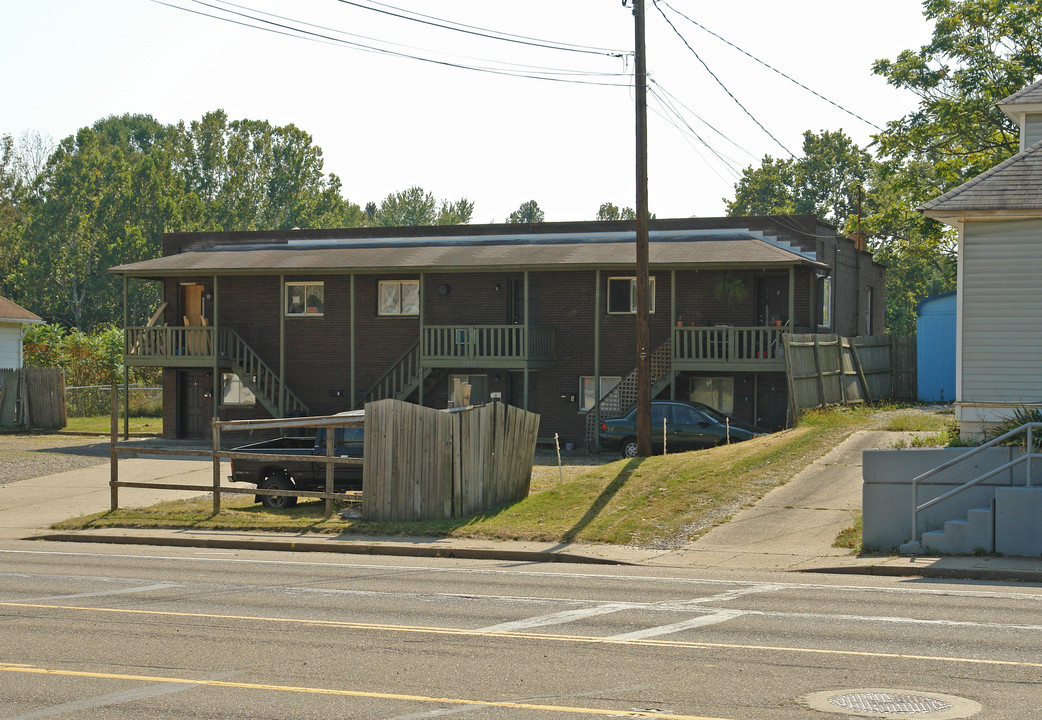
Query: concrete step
[[963, 536]]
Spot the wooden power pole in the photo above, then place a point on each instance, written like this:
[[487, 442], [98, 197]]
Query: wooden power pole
[[642, 284]]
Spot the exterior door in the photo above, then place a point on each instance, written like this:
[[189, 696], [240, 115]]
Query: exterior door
[[195, 390], [772, 403], [772, 301]]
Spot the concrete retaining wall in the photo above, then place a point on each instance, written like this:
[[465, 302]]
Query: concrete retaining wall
[[886, 494]]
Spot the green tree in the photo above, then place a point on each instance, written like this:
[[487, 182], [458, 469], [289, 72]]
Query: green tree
[[528, 212], [251, 175], [415, 206], [980, 52], [609, 211], [826, 181], [104, 198]]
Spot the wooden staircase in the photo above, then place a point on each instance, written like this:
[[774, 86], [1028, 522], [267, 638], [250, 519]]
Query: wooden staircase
[[623, 397], [255, 374], [400, 381]]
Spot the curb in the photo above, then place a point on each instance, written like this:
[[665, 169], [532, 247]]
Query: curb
[[931, 572], [346, 548]]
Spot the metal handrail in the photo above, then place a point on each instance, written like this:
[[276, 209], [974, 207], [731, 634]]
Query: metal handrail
[[1026, 458]]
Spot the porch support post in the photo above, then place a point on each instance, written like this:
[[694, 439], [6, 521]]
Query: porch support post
[[354, 397], [126, 371], [526, 329], [419, 364], [672, 332], [792, 298], [282, 345], [216, 362], [596, 361]]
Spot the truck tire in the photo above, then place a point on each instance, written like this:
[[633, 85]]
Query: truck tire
[[277, 482]]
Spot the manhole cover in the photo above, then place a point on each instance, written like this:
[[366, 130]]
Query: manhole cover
[[879, 703], [889, 703]]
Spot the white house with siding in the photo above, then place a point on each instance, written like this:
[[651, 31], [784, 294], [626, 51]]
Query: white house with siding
[[999, 318], [13, 320]]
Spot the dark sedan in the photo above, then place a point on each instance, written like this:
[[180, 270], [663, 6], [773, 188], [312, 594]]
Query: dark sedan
[[688, 426]]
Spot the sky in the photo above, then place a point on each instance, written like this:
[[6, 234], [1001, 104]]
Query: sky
[[388, 122]]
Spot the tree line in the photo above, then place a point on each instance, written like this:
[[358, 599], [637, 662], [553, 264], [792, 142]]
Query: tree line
[[105, 195]]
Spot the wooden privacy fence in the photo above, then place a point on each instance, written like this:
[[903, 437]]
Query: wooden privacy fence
[[419, 463], [426, 464], [833, 370], [32, 397]]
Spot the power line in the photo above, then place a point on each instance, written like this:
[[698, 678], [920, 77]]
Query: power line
[[675, 100], [678, 121], [326, 28], [719, 82], [303, 34], [769, 66], [480, 32], [561, 45]]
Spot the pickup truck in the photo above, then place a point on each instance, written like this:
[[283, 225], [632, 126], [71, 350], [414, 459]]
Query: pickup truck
[[302, 474]]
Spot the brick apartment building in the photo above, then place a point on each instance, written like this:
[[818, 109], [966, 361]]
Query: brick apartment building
[[257, 324]]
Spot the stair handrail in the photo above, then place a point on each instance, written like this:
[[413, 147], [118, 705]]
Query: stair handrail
[[1025, 458], [292, 401], [390, 370]]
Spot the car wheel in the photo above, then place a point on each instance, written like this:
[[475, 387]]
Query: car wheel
[[277, 502], [629, 447]]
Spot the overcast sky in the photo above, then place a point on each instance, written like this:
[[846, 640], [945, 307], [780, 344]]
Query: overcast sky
[[386, 122]]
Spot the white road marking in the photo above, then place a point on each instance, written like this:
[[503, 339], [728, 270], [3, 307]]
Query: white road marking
[[559, 618], [79, 706], [713, 619], [560, 573], [122, 591]]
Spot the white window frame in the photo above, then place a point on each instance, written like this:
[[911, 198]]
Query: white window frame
[[633, 295], [826, 302], [714, 393], [608, 383], [397, 308], [306, 286], [234, 392]]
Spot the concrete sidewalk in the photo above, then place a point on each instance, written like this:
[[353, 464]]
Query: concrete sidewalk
[[791, 529]]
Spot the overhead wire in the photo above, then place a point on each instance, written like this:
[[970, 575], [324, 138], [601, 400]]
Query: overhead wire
[[411, 47], [303, 34], [769, 66], [499, 35], [676, 101], [678, 121], [718, 80]]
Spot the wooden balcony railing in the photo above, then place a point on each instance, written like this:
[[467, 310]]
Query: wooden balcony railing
[[486, 346], [170, 346], [750, 347]]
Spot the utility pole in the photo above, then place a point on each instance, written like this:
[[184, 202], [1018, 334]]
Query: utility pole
[[642, 284]]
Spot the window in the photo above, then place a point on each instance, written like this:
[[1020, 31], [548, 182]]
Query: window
[[399, 297], [233, 392], [825, 285], [608, 383], [622, 295], [716, 392], [305, 299]]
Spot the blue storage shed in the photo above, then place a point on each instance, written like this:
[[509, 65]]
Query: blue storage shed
[[935, 347]]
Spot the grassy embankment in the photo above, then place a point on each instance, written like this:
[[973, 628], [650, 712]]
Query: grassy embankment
[[663, 501]]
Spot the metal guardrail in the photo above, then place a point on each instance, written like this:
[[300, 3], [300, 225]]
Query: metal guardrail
[[1026, 459]]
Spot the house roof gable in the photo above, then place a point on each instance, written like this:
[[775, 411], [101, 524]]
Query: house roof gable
[[10, 312], [1012, 185]]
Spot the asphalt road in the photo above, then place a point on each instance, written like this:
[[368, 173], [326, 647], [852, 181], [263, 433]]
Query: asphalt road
[[159, 633]]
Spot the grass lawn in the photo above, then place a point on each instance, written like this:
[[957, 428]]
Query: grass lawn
[[662, 501], [102, 424]]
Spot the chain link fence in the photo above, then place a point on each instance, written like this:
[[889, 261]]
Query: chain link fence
[[94, 400]]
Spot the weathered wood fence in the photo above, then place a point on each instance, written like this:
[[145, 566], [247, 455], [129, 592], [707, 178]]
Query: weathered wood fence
[[426, 464], [419, 463], [833, 370], [32, 397]]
